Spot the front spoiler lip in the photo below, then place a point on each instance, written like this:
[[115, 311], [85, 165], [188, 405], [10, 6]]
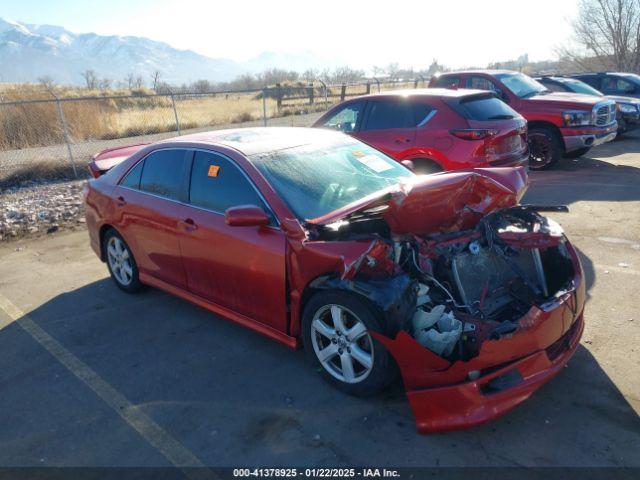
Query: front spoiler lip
[[464, 405]]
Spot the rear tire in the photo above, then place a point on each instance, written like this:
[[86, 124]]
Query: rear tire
[[577, 153], [335, 332], [424, 166], [545, 148], [122, 266]]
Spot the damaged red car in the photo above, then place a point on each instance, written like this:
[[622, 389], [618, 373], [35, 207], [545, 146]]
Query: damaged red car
[[313, 238]]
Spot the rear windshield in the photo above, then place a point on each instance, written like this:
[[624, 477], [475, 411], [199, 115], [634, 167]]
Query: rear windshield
[[484, 109]]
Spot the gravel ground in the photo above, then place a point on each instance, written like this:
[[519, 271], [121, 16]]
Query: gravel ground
[[40, 208]]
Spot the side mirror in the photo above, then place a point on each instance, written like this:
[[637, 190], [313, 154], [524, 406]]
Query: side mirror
[[408, 164], [246, 216]]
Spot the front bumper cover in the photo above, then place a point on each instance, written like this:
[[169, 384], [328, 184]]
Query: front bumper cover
[[445, 396], [475, 402], [575, 139]]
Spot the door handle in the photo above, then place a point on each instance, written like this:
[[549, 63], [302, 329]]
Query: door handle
[[188, 224], [120, 201]]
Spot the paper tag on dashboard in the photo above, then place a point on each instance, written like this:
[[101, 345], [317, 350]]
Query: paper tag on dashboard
[[213, 170], [374, 163]]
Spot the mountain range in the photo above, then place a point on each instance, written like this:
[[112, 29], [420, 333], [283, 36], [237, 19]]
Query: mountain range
[[29, 52]]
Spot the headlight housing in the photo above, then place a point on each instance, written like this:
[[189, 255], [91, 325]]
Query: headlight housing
[[628, 107], [576, 118]]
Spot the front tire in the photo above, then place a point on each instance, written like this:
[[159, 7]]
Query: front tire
[[336, 338], [545, 148], [578, 153], [121, 263]]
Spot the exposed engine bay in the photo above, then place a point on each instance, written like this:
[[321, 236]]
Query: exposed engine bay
[[466, 286]]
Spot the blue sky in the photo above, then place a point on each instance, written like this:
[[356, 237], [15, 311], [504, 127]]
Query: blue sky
[[410, 32]]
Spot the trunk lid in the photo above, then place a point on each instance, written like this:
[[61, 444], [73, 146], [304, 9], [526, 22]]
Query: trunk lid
[[105, 160]]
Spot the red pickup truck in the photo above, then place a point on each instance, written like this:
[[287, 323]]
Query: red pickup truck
[[560, 124]]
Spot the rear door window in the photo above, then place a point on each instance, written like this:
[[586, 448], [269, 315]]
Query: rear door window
[[163, 173], [446, 81], [481, 83], [217, 184], [617, 86], [389, 114], [422, 113], [132, 178], [347, 118], [485, 108]]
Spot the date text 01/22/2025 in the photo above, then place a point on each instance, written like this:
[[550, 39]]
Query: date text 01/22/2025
[[316, 472]]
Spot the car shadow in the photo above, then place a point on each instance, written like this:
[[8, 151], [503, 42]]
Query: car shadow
[[233, 397], [592, 177]]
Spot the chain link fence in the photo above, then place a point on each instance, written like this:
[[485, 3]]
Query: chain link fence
[[52, 136]]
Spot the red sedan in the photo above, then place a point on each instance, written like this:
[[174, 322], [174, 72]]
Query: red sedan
[[437, 129], [312, 237]]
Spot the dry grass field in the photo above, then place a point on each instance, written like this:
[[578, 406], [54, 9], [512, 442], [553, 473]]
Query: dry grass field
[[113, 114]]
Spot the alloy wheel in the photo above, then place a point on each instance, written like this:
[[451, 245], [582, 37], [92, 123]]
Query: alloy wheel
[[119, 260], [342, 344], [540, 151]]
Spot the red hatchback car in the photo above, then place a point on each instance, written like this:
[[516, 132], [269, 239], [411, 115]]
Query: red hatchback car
[[436, 129], [313, 237]]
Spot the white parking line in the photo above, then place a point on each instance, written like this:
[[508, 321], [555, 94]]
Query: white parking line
[[176, 453]]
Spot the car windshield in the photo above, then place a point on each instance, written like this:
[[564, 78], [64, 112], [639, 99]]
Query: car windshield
[[632, 77], [521, 85], [577, 86], [317, 179]]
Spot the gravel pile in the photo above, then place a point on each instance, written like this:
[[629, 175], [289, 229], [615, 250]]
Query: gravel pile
[[40, 208]]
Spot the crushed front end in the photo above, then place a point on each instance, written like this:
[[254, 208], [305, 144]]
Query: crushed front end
[[496, 305]]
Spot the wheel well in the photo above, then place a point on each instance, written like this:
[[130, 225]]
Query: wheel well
[[548, 126], [425, 161], [103, 230]]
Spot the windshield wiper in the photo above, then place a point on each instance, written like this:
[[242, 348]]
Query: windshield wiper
[[501, 117]]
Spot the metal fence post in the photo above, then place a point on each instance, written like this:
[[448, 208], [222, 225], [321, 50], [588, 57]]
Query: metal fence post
[[264, 107], [175, 111], [279, 96], [65, 132]]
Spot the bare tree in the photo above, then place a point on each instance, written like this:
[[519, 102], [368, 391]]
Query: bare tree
[[200, 86], [105, 83], [46, 82], [90, 79], [138, 82], [608, 31], [129, 80], [392, 70], [310, 75], [346, 75], [156, 79]]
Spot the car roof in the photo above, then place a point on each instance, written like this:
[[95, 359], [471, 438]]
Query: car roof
[[556, 78], [251, 141], [423, 92], [486, 72]]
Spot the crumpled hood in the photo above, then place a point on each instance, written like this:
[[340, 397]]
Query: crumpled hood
[[454, 201], [441, 203]]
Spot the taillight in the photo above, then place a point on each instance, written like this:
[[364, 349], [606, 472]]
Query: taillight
[[474, 133]]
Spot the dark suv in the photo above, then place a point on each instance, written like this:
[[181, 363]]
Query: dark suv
[[613, 83], [628, 115]]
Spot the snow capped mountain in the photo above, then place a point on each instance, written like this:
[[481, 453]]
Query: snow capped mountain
[[28, 52]]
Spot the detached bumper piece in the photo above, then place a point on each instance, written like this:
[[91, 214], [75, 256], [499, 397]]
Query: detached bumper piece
[[493, 394]]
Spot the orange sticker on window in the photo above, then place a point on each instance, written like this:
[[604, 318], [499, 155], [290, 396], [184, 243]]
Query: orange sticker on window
[[213, 171], [357, 153]]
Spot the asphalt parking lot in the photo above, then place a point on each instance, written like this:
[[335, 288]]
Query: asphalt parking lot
[[94, 377]]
